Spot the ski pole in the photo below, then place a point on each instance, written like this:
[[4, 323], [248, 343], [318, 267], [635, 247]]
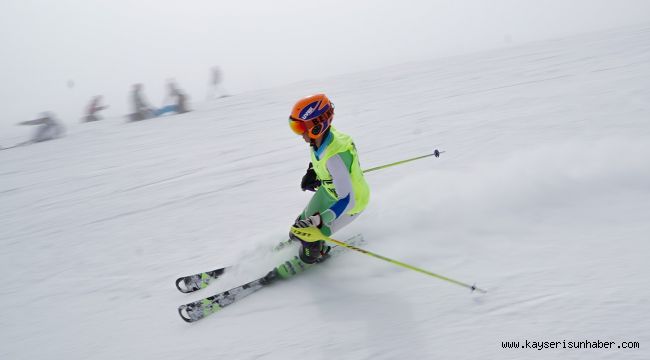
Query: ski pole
[[314, 234], [435, 153]]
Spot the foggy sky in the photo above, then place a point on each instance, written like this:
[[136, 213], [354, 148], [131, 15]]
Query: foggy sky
[[55, 55]]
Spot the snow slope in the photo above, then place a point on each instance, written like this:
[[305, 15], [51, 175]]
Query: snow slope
[[542, 197]]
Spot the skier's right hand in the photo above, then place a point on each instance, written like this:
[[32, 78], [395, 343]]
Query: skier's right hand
[[310, 180], [314, 220]]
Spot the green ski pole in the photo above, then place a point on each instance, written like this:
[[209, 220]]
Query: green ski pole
[[314, 234], [435, 153]]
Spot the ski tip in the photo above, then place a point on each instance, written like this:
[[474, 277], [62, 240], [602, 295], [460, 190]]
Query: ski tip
[[182, 311], [178, 286]]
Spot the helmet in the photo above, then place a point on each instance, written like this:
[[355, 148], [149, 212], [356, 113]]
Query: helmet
[[312, 114]]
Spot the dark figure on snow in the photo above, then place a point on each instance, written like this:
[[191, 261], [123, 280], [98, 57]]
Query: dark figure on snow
[[175, 101], [215, 89], [49, 128], [93, 108], [141, 108]]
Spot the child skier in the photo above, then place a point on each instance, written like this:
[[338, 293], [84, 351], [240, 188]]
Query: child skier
[[341, 194], [334, 174]]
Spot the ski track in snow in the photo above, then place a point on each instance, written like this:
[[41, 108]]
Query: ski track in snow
[[542, 198]]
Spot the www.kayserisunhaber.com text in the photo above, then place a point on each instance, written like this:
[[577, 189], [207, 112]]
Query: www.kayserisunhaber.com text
[[566, 344]]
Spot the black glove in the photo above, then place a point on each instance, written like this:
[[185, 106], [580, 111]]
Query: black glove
[[310, 180], [436, 153]]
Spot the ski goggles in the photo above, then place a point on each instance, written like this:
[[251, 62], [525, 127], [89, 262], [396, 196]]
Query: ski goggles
[[302, 126], [297, 126]]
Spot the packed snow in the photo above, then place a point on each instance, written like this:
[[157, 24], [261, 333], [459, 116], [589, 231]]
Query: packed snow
[[542, 197]]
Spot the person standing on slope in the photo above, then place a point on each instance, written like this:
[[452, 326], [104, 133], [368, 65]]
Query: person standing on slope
[[334, 174], [141, 108], [93, 108]]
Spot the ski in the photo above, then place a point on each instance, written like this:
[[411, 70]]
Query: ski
[[199, 309], [191, 283]]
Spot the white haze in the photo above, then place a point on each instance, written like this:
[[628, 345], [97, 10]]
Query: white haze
[[55, 55]]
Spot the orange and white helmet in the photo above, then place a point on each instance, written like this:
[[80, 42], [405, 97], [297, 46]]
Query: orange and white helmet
[[312, 114]]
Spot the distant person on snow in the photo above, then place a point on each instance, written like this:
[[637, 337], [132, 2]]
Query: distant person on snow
[[93, 108], [141, 108], [179, 99], [334, 174], [215, 89], [49, 128]]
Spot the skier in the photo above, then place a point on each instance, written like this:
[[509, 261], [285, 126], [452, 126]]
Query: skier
[[215, 89], [93, 108], [141, 109], [181, 100], [175, 95], [49, 128], [334, 174]]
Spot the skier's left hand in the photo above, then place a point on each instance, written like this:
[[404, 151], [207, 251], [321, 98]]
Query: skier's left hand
[[313, 220], [310, 181]]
